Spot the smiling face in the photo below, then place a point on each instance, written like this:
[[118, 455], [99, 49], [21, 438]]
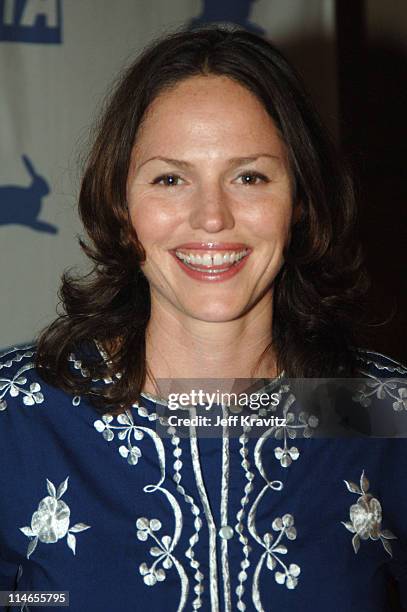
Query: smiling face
[[209, 196]]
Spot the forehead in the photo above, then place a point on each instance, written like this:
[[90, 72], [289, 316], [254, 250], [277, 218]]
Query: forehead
[[208, 111]]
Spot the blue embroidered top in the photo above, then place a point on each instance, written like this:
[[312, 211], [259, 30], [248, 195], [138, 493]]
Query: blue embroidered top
[[125, 519]]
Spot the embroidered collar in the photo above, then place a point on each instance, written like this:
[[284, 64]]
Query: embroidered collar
[[268, 386]]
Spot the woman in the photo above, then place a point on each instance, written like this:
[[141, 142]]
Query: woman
[[221, 228]]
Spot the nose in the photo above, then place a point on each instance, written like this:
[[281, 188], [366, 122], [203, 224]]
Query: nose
[[212, 211]]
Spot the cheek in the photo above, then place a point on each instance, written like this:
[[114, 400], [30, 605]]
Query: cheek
[[152, 223], [272, 223]]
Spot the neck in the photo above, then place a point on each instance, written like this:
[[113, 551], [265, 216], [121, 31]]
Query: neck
[[179, 346]]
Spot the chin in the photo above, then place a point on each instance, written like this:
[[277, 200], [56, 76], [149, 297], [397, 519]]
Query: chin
[[214, 313]]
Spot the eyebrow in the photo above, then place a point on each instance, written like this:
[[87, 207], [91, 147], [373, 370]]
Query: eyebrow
[[233, 161]]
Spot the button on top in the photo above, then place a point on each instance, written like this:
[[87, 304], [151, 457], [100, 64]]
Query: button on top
[[226, 532]]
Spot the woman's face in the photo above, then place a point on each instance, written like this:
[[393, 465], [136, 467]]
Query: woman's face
[[210, 198]]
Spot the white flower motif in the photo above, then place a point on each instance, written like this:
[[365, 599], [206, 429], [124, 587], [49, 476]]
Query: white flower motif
[[286, 455], [132, 454], [50, 522], [125, 431], [292, 429], [310, 422], [283, 430], [162, 552], [361, 396], [366, 517], [103, 427], [401, 403], [290, 577], [285, 526], [16, 386], [382, 389]]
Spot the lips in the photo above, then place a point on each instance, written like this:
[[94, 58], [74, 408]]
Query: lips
[[213, 262], [211, 246]]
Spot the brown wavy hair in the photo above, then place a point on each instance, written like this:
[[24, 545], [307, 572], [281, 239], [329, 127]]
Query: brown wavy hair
[[317, 292]]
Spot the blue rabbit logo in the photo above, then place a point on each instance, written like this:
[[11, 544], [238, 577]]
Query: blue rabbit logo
[[227, 11], [22, 205]]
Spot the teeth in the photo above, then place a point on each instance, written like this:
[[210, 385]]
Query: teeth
[[207, 260], [216, 259]]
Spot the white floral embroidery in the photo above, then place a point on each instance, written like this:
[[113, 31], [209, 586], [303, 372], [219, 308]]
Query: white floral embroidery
[[285, 525], [401, 402], [162, 551], [382, 389], [389, 366], [50, 522], [17, 356], [298, 425], [126, 430], [77, 364], [304, 426], [366, 517], [16, 386], [146, 527]]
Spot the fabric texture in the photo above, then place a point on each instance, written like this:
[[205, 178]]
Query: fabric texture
[[125, 519]]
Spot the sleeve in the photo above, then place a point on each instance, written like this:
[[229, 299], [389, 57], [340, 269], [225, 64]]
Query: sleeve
[[9, 574], [395, 514], [388, 387], [14, 364]]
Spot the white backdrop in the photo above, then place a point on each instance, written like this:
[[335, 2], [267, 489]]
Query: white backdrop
[[57, 59]]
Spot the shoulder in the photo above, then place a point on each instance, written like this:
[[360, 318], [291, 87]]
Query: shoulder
[[376, 364], [382, 386], [18, 376], [36, 419], [15, 354], [22, 388]]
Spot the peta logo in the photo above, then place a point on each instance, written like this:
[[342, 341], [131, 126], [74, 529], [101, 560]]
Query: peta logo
[[31, 21], [21, 205]]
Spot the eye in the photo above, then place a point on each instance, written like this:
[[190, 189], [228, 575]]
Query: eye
[[253, 178], [167, 180]]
